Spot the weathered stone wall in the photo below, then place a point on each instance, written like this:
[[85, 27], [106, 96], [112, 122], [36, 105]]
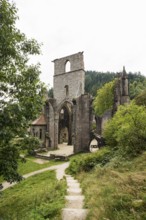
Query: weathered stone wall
[[52, 124], [82, 119], [35, 131], [107, 115], [121, 91], [69, 85], [76, 63], [125, 90]]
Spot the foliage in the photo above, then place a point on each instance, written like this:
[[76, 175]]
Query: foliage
[[116, 192], [50, 93], [30, 144], [104, 99], [8, 163], [141, 98], [29, 164], [126, 131], [95, 80], [21, 91], [42, 197], [88, 161], [137, 84]]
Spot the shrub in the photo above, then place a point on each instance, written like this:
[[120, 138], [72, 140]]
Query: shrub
[[88, 161], [126, 131], [28, 143]]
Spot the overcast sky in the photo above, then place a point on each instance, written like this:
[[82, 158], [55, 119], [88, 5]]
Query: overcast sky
[[112, 33]]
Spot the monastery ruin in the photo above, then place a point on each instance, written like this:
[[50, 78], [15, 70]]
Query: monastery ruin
[[68, 117]]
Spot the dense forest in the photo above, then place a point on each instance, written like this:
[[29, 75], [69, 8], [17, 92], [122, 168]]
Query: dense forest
[[95, 80]]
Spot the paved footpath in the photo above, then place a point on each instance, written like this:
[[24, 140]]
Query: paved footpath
[[74, 200]]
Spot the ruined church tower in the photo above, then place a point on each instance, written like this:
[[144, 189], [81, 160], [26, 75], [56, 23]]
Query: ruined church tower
[[69, 77], [121, 93]]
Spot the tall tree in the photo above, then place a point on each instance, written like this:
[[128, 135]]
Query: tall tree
[[21, 91]]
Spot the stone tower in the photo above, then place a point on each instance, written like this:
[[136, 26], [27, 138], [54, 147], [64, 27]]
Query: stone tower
[[121, 93], [69, 77]]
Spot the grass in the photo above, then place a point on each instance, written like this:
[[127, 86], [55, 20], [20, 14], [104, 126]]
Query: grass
[[117, 190], [36, 198], [30, 165]]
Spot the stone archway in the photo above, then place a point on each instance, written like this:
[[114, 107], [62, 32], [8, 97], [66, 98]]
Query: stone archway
[[93, 146], [65, 124]]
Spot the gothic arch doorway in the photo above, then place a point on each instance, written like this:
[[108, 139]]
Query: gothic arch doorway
[[65, 125]]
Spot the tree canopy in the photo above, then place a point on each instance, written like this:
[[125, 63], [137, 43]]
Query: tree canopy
[[104, 98], [95, 80], [21, 92], [141, 98]]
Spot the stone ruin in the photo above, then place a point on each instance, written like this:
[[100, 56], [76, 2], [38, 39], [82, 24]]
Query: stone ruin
[[68, 117]]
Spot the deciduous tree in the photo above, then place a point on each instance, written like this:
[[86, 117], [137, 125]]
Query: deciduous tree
[[20, 88]]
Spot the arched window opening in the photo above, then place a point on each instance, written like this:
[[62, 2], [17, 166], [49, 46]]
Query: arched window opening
[[65, 126], [67, 66], [66, 90], [40, 133], [33, 132], [62, 111], [62, 114], [94, 145]]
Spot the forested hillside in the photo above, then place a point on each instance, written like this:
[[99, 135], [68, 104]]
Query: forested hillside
[[95, 80]]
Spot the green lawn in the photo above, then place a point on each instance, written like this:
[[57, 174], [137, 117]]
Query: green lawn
[[36, 198], [30, 166]]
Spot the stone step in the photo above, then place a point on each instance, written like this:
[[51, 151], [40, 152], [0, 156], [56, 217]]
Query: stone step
[[71, 180], [73, 185], [74, 214], [68, 179], [74, 202], [74, 191]]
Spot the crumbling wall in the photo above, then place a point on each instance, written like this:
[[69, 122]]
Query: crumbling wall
[[82, 120], [69, 84]]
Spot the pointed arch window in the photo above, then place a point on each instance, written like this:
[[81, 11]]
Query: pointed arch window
[[40, 133], [67, 66], [66, 90]]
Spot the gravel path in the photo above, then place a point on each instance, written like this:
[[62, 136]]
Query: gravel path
[[63, 149]]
